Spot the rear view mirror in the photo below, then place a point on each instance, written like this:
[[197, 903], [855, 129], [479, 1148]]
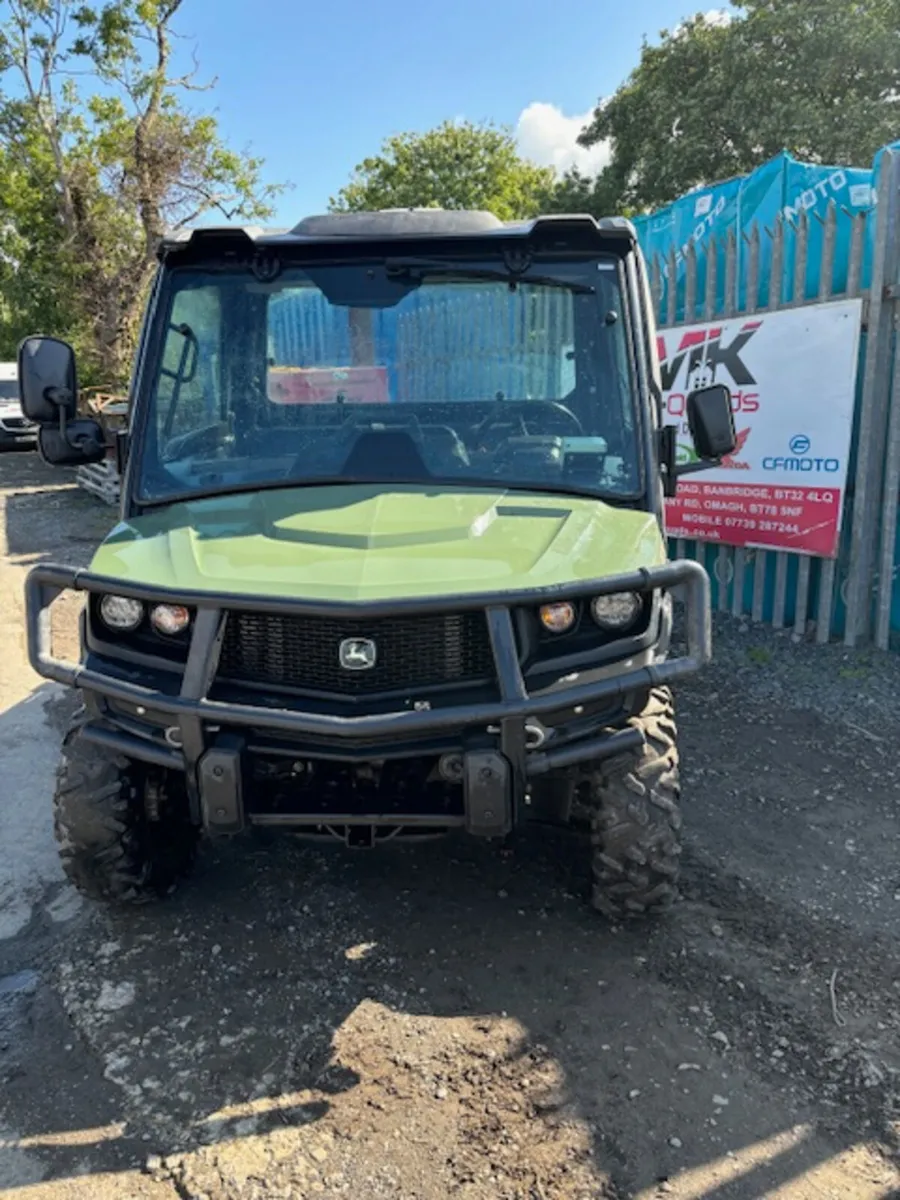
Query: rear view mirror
[[48, 387], [48, 390], [711, 422]]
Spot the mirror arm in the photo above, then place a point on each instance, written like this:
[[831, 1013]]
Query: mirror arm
[[61, 398], [62, 413], [705, 464]]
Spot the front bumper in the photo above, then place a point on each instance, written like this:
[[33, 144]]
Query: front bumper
[[212, 733]]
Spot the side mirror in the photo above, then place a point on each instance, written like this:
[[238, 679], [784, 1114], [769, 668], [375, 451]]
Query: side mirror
[[48, 386], [711, 422], [48, 390]]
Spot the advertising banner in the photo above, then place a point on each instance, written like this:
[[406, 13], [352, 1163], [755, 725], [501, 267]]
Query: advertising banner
[[792, 376]]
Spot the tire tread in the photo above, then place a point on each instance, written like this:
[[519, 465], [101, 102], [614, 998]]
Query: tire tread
[[108, 848], [636, 819]]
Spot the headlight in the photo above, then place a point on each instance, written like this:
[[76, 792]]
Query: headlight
[[617, 611], [121, 613], [170, 619], [559, 617]]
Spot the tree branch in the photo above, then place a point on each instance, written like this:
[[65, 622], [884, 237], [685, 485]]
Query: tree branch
[[41, 97]]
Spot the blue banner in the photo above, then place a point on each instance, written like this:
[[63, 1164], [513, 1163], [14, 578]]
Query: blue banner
[[781, 187]]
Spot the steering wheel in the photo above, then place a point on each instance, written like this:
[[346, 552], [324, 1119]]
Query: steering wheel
[[517, 410]]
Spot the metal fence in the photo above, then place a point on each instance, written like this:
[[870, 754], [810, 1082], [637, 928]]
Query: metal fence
[[857, 594]]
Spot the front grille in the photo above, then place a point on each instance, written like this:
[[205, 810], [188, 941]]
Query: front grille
[[304, 653], [16, 423]]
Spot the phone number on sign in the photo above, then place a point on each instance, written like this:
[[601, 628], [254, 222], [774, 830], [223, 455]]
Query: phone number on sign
[[757, 515], [710, 520]]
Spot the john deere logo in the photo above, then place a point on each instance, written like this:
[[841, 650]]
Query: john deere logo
[[357, 654]]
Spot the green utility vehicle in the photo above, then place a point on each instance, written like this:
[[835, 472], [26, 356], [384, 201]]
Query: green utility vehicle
[[391, 557]]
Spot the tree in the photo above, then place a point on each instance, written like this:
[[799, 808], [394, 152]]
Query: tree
[[91, 182], [575, 192], [718, 97], [36, 278], [458, 165]]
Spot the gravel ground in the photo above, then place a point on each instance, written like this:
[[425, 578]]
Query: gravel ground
[[449, 1019]]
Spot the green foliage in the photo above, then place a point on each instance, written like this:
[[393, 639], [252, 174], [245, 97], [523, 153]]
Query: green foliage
[[36, 272], [716, 98], [575, 192], [455, 166], [759, 656], [99, 158]]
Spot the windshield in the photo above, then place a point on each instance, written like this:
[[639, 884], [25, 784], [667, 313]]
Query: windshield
[[9, 390], [399, 371]]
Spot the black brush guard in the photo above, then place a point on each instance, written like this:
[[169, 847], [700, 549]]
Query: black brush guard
[[494, 776]]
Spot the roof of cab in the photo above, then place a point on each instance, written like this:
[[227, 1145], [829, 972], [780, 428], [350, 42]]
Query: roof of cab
[[401, 224]]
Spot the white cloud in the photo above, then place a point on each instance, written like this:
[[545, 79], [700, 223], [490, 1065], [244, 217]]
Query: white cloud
[[717, 17], [550, 138]]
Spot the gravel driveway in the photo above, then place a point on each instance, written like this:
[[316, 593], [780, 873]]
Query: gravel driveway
[[450, 1020]]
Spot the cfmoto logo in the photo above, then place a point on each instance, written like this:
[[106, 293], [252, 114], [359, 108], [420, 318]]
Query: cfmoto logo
[[357, 654], [799, 459]]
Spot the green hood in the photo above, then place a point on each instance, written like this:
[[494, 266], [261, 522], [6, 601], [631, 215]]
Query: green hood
[[360, 543]]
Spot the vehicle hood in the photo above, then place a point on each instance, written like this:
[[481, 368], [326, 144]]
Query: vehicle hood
[[359, 543]]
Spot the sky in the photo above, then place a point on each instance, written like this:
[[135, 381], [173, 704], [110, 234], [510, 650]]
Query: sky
[[313, 88]]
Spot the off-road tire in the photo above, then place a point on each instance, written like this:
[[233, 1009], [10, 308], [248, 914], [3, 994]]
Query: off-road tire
[[110, 849], [636, 819]]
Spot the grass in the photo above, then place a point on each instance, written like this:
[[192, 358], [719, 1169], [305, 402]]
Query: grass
[[759, 656], [854, 672]]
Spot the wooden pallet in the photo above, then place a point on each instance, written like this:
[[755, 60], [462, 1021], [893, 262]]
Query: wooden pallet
[[101, 480], [111, 411]]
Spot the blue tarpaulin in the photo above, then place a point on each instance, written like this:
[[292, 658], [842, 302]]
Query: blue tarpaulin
[[781, 187]]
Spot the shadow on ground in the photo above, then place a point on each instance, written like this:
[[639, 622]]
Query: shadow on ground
[[465, 1000], [47, 517]]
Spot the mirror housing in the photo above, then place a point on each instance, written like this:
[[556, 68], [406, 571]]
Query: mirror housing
[[711, 424], [48, 384], [78, 443], [48, 391]]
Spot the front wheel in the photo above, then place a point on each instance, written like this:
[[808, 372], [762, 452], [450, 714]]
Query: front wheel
[[123, 828], [635, 818]]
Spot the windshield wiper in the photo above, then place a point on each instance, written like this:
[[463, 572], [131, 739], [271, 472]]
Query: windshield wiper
[[464, 482], [412, 268]]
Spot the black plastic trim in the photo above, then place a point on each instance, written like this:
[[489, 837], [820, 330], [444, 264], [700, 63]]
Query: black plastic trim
[[131, 746], [44, 583]]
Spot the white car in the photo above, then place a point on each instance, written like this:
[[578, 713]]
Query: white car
[[15, 429]]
